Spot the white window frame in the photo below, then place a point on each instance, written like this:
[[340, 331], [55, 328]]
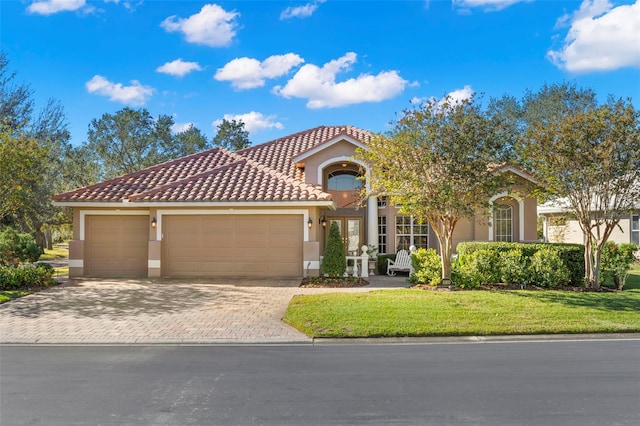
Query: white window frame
[[382, 234], [635, 229], [504, 220], [413, 224]]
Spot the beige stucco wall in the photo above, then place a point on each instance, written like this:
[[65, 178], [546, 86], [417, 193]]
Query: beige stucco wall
[[571, 232], [340, 150]]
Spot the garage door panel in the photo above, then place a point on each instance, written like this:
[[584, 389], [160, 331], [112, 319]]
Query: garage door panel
[[116, 246], [234, 245]]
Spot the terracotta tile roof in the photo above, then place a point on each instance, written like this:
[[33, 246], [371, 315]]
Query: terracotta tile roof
[[278, 154], [260, 173]]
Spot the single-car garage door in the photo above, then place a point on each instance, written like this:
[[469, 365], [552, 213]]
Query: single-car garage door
[[232, 246], [116, 246]]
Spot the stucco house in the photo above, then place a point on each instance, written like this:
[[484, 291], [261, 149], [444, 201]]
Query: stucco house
[[559, 225], [262, 211]]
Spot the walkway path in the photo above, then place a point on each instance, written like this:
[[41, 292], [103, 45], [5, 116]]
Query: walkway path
[[161, 311]]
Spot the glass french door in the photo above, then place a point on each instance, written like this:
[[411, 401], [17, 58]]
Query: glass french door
[[351, 233]]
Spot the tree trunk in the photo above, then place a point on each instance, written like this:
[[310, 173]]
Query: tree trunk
[[588, 263], [445, 251]]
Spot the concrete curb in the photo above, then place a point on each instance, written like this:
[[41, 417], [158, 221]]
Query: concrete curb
[[329, 342]]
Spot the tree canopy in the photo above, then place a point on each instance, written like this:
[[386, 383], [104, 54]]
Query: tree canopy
[[130, 140], [438, 162], [588, 160], [232, 135]]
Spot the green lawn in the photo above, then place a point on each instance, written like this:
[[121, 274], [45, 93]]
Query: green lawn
[[633, 280], [409, 312], [5, 296], [58, 252]]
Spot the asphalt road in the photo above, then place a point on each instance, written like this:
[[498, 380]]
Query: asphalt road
[[512, 383]]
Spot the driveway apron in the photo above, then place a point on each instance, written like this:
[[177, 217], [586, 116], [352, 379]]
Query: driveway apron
[[160, 311]]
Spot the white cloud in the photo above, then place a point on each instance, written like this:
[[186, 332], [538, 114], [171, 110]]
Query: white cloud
[[319, 86], [601, 38], [248, 73], [49, 7], [253, 121], [179, 68], [460, 94], [303, 11], [136, 94], [212, 26], [181, 127], [487, 5]]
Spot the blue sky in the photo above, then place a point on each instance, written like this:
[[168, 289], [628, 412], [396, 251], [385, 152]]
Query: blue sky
[[286, 66]]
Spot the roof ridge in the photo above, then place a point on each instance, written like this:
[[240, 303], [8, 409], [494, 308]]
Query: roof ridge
[[176, 183], [140, 172], [272, 172]]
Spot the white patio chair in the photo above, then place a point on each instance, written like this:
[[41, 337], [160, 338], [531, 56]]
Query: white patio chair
[[402, 263]]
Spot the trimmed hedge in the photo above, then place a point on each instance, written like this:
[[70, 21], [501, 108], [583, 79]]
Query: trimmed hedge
[[570, 257]]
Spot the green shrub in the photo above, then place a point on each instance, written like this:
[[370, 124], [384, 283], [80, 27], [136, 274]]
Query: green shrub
[[17, 248], [572, 255], [548, 269], [334, 262], [25, 276], [615, 263], [427, 267], [514, 267], [383, 262], [480, 267]]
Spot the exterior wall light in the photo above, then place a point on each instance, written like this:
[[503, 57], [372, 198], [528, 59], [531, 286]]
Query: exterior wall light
[[323, 221], [154, 223], [310, 222]]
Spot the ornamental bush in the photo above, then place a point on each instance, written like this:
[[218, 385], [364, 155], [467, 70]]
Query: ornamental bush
[[18, 248], [548, 269], [615, 263], [334, 262], [25, 276], [515, 267], [571, 255], [427, 267]]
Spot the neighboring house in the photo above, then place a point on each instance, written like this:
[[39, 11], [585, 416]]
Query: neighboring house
[[560, 226], [262, 211]]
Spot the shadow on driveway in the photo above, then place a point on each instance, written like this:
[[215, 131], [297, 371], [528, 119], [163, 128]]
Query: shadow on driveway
[[119, 299]]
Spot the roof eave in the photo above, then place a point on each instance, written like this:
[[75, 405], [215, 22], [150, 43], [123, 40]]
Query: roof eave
[[161, 204]]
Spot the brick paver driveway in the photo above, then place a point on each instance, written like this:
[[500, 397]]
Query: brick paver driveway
[[159, 311]]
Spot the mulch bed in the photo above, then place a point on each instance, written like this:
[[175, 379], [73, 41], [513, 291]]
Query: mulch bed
[[328, 282]]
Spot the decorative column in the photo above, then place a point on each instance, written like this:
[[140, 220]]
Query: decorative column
[[372, 222]]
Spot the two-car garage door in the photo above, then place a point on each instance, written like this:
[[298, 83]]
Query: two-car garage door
[[232, 245]]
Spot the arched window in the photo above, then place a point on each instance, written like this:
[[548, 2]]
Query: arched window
[[343, 180], [504, 223]]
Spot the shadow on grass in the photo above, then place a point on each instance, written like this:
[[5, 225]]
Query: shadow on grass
[[627, 301]]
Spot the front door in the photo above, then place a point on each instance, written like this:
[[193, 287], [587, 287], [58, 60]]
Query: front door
[[351, 233]]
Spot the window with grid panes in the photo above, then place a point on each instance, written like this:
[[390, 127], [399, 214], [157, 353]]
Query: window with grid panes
[[382, 234], [504, 223], [411, 233], [635, 229]]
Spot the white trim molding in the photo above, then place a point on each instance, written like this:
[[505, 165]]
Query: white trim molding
[[520, 214], [341, 159], [76, 263], [329, 143]]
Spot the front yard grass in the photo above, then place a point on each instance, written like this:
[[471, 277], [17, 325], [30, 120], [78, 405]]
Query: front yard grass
[[412, 313], [5, 296]]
